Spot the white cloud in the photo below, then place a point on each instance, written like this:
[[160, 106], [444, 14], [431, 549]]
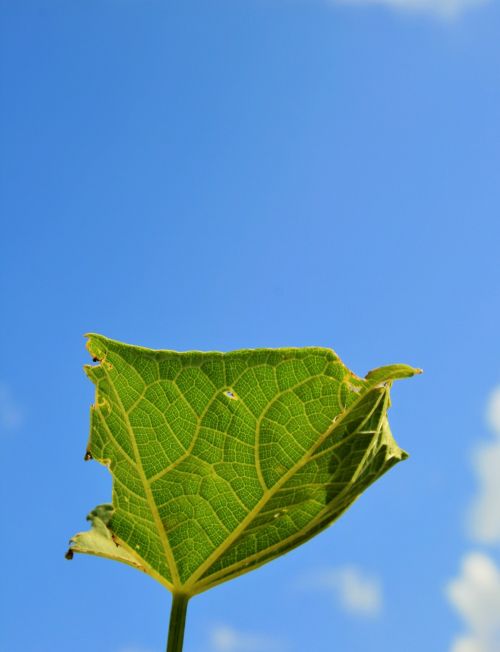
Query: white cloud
[[475, 594], [493, 411], [351, 589], [443, 8], [484, 515], [11, 416], [227, 639]]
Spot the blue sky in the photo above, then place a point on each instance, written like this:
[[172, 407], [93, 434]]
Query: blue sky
[[212, 174]]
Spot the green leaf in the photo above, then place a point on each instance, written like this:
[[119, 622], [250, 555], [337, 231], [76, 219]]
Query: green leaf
[[222, 462]]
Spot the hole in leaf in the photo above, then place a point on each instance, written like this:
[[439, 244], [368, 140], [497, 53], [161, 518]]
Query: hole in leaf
[[230, 395]]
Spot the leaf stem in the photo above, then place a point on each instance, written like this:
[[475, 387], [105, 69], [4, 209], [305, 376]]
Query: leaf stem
[[177, 622]]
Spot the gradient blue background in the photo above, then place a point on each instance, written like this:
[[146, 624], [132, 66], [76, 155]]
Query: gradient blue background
[[208, 174]]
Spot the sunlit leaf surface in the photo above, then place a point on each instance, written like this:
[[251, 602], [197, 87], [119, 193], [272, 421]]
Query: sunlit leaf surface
[[224, 461]]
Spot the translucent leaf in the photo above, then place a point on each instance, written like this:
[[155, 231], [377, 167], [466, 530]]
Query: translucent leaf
[[223, 461]]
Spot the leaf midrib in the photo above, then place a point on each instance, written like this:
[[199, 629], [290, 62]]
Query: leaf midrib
[[220, 550], [223, 573]]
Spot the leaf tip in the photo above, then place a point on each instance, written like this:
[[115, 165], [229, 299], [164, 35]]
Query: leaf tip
[[391, 372]]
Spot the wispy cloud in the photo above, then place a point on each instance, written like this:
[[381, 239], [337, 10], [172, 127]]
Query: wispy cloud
[[475, 594], [448, 9], [484, 515], [227, 639], [11, 416], [493, 411], [350, 587]]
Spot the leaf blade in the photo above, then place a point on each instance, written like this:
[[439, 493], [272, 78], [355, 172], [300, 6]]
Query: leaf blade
[[223, 461]]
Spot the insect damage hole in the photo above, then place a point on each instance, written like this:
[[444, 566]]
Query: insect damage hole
[[230, 394]]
